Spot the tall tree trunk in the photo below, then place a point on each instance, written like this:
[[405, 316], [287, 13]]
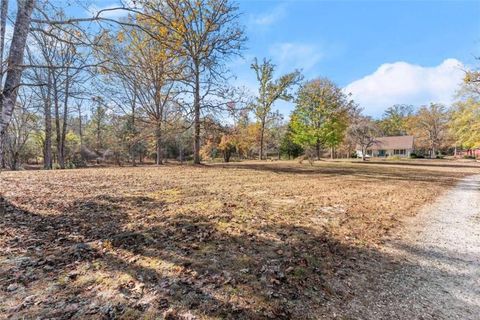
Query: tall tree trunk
[[14, 65], [196, 106], [80, 124], [98, 130], [332, 150], [181, 153], [132, 145], [318, 149], [158, 136], [262, 135], [3, 22], [58, 128], [134, 160], [65, 116], [47, 110], [8, 96], [3, 137]]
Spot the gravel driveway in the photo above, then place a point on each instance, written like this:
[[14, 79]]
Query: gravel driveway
[[431, 270]]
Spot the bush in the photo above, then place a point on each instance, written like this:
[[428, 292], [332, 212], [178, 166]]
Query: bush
[[469, 157], [416, 156], [78, 162], [70, 165], [394, 158]]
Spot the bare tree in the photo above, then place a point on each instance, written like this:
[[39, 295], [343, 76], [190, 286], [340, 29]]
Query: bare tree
[[11, 75], [44, 98], [143, 71], [430, 125], [205, 33], [155, 71], [22, 125], [364, 133], [57, 69]]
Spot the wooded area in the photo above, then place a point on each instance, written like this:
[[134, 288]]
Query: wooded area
[[155, 85]]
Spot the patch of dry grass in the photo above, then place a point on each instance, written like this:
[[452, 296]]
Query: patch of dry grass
[[244, 240]]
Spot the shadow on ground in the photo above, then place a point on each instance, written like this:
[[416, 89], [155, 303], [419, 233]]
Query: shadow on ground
[[418, 163], [92, 261], [370, 173]]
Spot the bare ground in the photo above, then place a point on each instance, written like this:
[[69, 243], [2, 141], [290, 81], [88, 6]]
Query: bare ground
[[238, 241], [438, 274]]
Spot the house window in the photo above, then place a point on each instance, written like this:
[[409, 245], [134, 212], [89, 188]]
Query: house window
[[399, 152]]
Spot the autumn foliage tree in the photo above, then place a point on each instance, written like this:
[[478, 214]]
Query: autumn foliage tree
[[227, 147], [429, 126], [465, 123]]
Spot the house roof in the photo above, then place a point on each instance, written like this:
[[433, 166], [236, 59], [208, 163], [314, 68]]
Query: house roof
[[397, 142]]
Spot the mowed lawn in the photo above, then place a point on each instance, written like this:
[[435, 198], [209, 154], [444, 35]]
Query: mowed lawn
[[236, 241]]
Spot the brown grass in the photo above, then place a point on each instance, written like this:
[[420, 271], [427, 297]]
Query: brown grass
[[244, 240]]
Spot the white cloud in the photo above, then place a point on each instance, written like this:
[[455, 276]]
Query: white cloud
[[402, 82], [111, 14], [271, 17], [289, 56]]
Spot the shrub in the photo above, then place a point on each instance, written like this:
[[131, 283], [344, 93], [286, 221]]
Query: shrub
[[70, 165], [78, 161], [413, 155], [395, 158]]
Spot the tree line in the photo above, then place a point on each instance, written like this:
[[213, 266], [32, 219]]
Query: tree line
[[155, 85]]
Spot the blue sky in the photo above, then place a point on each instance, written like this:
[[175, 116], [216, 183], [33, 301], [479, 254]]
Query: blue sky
[[384, 52]]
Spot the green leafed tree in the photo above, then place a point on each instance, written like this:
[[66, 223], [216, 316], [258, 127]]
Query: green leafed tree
[[288, 147], [321, 115], [270, 90]]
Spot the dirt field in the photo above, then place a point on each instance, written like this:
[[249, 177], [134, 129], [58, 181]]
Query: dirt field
[[238, 241]]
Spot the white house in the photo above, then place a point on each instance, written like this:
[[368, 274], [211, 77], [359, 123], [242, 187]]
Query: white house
[[401, 146]]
